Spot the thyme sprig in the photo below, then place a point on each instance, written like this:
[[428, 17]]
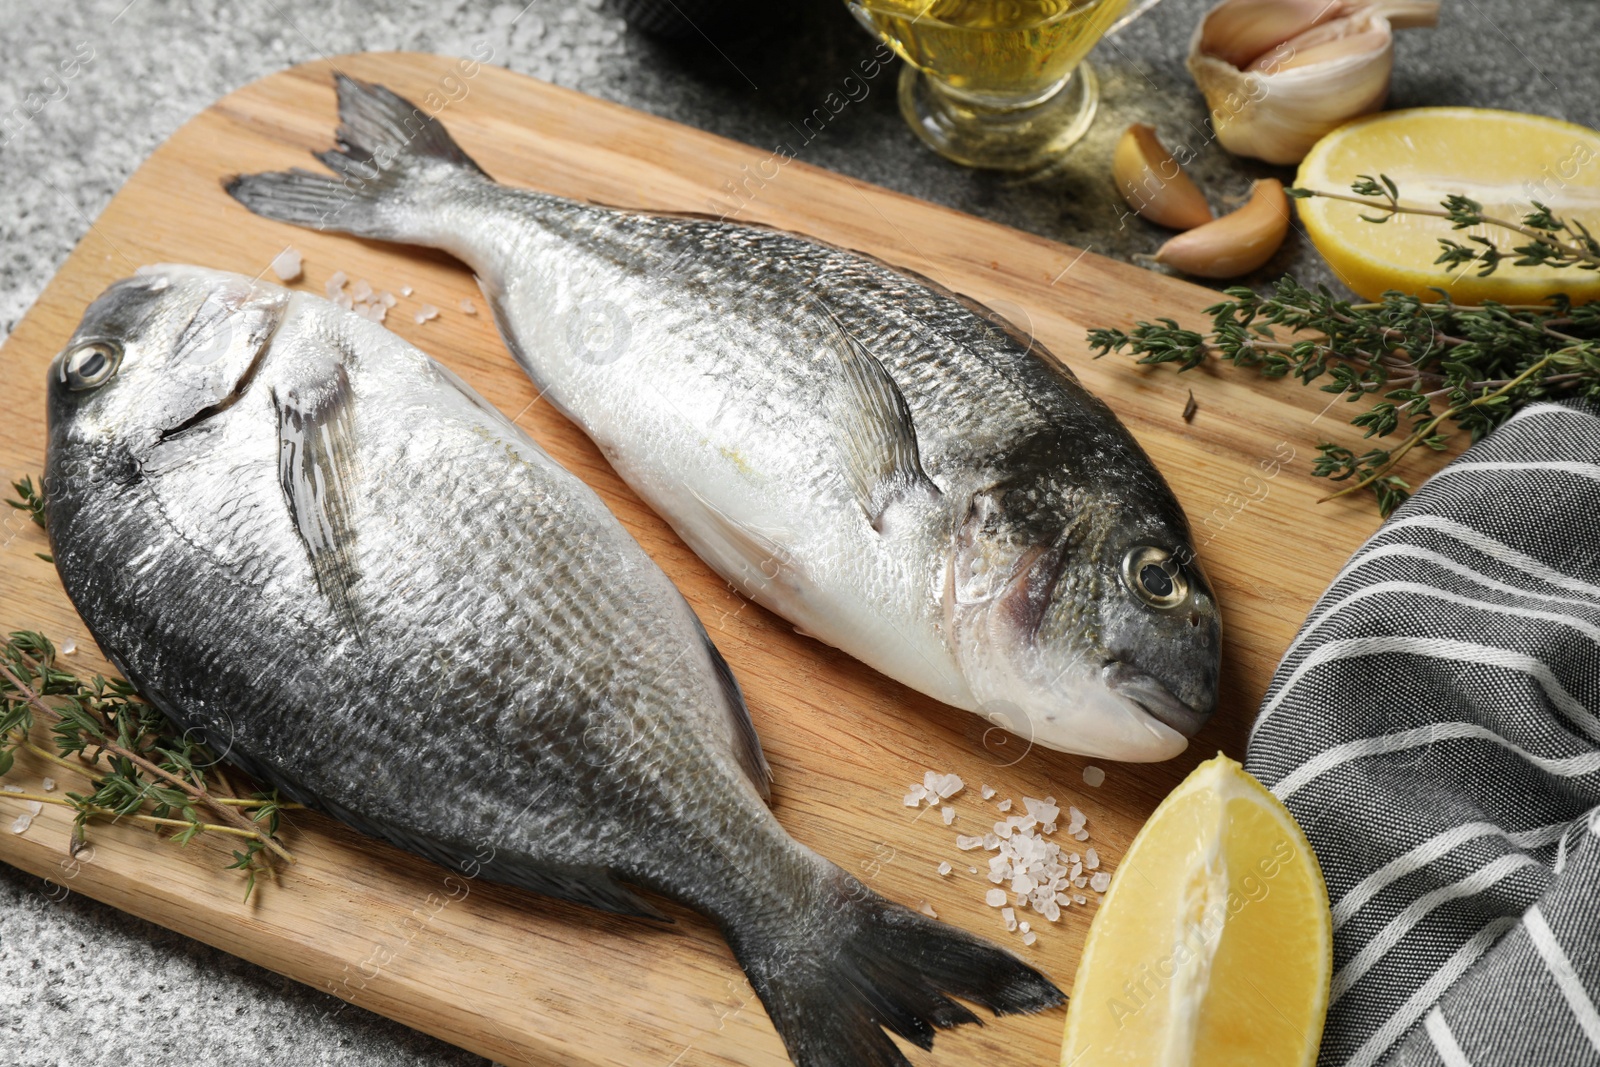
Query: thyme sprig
[[139, 768], [30, 500], [1552, 241], [1429, 370]]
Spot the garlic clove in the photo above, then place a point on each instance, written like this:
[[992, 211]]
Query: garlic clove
[[1239, 32], [1300, 88], [1152, 183], [1305, 55], [1237, 243]]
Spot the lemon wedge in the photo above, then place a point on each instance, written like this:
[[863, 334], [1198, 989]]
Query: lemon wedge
[[1214, 945], [1502, 159]]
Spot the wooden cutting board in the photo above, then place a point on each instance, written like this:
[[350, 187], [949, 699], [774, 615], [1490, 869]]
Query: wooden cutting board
[[531, 981]]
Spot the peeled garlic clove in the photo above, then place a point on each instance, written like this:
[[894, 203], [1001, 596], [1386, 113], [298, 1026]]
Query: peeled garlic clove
[[1307, 83], [1241, 31], [1236, 243], [1152, 183]]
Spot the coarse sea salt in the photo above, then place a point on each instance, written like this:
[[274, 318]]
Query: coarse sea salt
[[426, 312], [948, 814], [49, 785], [1029, 938], [1093, 777], [468, 308], [927, 909], [68, 647], [11, 788], [1028, 870], [22, 823], [288, 265]]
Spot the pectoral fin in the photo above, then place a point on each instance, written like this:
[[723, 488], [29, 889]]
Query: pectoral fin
[[316, 467], [877, 439]]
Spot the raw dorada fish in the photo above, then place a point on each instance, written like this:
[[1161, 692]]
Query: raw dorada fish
[[862, 452], [317, 548]]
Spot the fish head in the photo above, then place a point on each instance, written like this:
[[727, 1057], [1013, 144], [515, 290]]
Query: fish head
[[158, 352], [1084, 623]]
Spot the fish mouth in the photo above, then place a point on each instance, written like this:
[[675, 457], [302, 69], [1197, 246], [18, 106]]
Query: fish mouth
[[1155, 699]]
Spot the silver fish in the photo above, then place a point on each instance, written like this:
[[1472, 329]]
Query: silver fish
[[303, 539], [862, 452]]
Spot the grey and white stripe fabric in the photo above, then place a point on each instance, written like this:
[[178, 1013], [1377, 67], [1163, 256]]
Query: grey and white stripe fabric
[[1434, 729]]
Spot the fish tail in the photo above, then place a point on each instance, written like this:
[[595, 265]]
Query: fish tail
[[856, 964], [392, 157]]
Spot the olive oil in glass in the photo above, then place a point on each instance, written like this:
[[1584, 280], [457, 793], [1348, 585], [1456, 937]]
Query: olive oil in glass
[[995, 83]]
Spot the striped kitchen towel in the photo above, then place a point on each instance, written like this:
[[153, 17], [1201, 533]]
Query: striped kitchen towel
[[1433, 728]]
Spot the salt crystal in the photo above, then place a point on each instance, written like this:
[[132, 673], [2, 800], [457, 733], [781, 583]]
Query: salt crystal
[[405, 290], [426, 312], [948, 814], [388, 299], [1093, 777], [49, 785], [1100, 882], [987, 791], [950, 785], [945, 868], [1022, 884], [967, 844], [997, 877], [1091, 859], [972, 870], [1003, 830], [361, 291], [1009, 915], [930, 781], [1079, 898], [991, 841], [335, 283], [995, 898], [468, 308], [1005, 805], [68, 647], [11, 788], [1029, 938], [913, 799], [1082, 835], [1023, 926], [34, 807], [1080, 881], [22, 823], [927, 909], [1052, 911], [1063, 900], [287, 265]]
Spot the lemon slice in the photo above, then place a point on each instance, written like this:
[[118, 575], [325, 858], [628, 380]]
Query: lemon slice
[[1502, 159], [1213, 947]]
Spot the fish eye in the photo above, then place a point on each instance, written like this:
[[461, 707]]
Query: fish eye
[[1154, 577], [90, 365]]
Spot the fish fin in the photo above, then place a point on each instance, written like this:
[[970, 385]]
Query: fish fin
[[316, 468], [495, 296], [862, 965], [761, 556], [746, 744], [387, 146], [877, 438]]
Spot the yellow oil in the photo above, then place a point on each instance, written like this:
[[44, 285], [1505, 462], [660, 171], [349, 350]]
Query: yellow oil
[[992, 49]]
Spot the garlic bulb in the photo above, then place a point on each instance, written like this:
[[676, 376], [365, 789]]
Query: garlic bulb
[[1278, 74]]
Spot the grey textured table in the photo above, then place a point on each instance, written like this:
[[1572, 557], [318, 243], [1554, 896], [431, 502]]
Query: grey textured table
[[85, 985]]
